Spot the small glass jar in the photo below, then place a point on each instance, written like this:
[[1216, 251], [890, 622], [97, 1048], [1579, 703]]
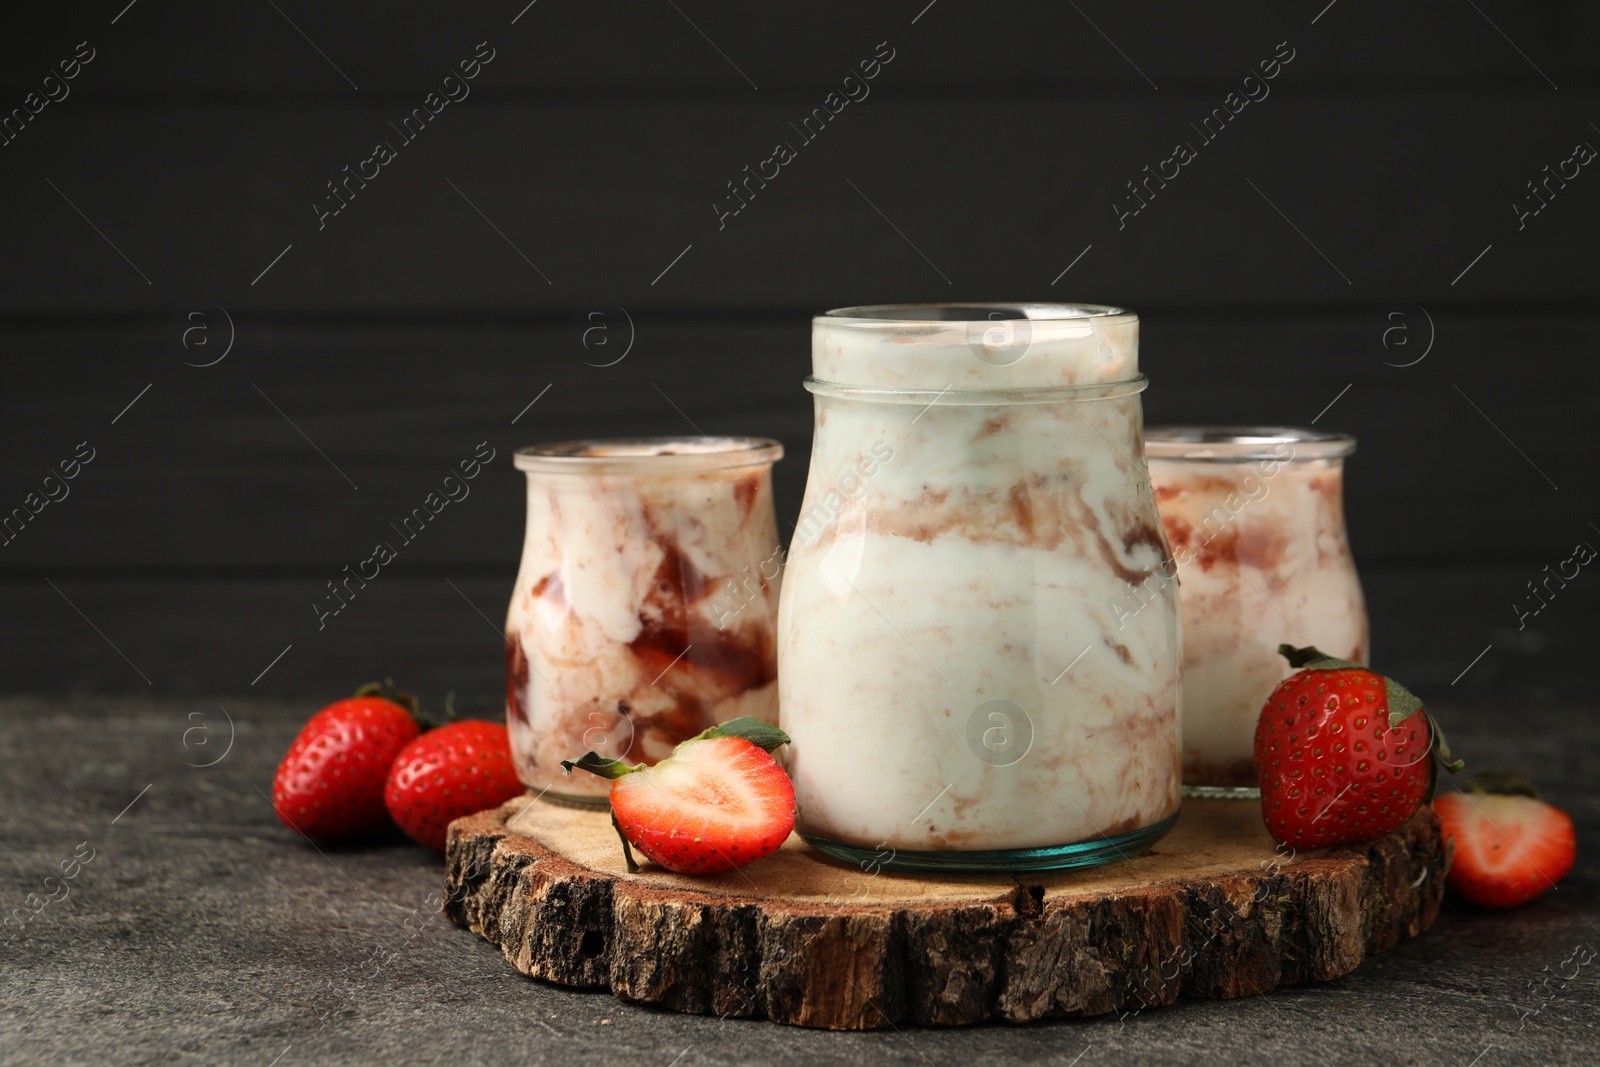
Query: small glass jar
[[958, 690], [1255, 517], [645, 604]]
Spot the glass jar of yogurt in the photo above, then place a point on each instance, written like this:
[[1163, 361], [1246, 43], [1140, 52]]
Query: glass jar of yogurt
[[1255, 517], [646, 602], [960, 691]]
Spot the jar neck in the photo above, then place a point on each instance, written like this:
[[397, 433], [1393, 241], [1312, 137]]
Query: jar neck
[[1021, 347], [1044, 394], [645, 458], [1245, 444]]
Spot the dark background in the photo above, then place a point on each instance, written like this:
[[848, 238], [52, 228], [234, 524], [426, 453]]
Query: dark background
[[453, 290], [174, 586]]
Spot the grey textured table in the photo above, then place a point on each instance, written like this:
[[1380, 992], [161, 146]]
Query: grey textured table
[[202, 931]]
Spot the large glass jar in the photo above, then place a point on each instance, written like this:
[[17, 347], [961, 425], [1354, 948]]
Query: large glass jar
[[960, 691], [1255, 517], [645, 604]]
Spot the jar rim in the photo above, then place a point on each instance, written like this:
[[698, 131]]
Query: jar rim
[[648, 455], [1226, 444], [943, 316]]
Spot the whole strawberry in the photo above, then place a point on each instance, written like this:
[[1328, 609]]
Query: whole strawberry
[[1343, 754], [330, 783], [718, 802], [1510, 845], [459, 769]]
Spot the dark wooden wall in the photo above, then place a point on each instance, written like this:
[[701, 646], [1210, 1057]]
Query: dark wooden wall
[[370, 354]]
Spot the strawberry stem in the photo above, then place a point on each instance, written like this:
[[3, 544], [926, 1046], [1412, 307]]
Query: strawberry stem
[[1313, 658], [394, 695], [595, 763], [627, 848]]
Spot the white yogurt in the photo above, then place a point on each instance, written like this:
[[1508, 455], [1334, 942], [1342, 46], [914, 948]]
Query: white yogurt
[[951, 668], [1255, 518], [645, 605]]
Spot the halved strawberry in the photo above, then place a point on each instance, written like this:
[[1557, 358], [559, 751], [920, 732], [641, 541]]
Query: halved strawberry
[[718, 802], [1510, 845]]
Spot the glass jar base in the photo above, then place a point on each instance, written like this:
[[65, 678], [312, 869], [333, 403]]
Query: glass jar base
[[1049, 858], [1222, 792]]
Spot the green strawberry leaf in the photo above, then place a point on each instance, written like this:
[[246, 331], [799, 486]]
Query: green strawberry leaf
[[1403, 703], [394, 695], [1443, 748], [751, 729], [595, 763], [1442, 757]]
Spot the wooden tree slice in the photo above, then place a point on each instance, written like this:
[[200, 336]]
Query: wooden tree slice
[[1212, 911]]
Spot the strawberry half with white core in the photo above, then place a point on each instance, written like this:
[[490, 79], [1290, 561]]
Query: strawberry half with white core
[[718, 802], [1510, 845]]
